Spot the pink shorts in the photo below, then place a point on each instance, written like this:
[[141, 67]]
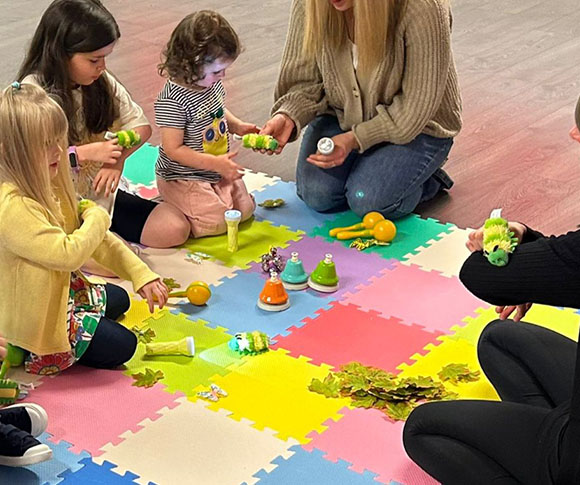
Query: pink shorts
[[204, 204]]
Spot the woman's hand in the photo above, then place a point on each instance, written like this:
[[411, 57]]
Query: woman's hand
[[475, 238], [107, 180], [107, 152], [280, 126], [343, 145], [154, 292], [227, 168], [575, 134], [505, 311]]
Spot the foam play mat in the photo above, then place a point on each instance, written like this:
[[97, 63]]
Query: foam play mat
[[400, 308]]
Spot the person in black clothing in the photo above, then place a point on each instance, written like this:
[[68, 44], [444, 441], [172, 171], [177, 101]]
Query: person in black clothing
[[533, 435]]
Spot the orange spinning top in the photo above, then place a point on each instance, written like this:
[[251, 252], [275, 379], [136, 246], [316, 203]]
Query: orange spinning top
[[384, 231]]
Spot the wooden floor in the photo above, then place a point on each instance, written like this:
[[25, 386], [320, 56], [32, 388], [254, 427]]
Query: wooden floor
[[519, 72]]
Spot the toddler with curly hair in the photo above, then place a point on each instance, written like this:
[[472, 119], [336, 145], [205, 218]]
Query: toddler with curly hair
[[195, 170]]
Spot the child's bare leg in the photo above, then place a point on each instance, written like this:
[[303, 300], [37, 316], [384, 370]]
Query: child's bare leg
[[166, 227]]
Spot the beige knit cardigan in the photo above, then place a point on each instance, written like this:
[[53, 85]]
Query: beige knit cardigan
[[413, 91]]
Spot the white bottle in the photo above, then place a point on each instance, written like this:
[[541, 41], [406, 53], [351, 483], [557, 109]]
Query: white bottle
[[325, 146]]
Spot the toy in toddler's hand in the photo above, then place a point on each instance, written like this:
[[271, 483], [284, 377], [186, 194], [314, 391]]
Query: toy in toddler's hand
[[260, 142], [498, 241], [125, 138], [250, 342], [84, 204]]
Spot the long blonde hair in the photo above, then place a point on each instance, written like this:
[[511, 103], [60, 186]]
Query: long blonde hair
[[374, 23], [31, 123]]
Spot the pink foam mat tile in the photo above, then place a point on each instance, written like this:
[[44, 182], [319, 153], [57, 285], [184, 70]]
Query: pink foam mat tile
[[370, 441], [353, 267], [91, 407], [345, 333], [426, 298]]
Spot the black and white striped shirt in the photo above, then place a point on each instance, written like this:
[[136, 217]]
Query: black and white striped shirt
[[201, 116]]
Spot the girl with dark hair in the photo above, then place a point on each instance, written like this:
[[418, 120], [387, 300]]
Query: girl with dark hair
[[67, 58]]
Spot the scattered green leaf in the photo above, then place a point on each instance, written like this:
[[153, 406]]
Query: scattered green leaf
[[171, 283], [458, 373], [148, 378], [144, 335], [272, 204]]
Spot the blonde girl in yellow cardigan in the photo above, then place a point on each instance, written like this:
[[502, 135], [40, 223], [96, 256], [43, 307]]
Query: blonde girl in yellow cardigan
[[378, 77], [47, 307]]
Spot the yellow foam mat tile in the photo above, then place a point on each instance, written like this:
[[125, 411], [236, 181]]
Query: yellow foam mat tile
[[190, 444], [271, 390], [564, 321], [139, 312], [445, 255], [457, 351]]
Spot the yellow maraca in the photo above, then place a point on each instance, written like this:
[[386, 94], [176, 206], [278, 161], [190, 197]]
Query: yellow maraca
[[384, 231], [198, 293], [369, 221]]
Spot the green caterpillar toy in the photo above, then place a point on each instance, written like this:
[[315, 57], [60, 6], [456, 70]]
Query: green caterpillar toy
[[10, 390], [260, 142], [250, 342], [498, 241], [125, 138]]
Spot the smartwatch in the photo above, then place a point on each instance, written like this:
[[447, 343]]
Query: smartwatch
[[73, 157]]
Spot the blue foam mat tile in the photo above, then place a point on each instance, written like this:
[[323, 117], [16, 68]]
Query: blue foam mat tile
[[233, 306], [47, 472], [93, 474], [294, 214], [311, 468]]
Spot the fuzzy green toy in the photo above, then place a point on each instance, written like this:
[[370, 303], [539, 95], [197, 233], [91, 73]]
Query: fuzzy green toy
[[84, 204], [253, 140], [498, 241], [250, 342], [125, 138]]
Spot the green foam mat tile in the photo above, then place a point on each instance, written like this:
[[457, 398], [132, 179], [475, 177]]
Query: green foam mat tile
[[140, 166]]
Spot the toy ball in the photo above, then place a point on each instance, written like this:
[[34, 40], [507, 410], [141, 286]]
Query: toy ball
[[198, 293]]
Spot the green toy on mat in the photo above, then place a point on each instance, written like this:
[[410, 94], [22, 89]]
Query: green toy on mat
[[250, 342], [261, 142], [125, 138], [9, 390], [498, 241]]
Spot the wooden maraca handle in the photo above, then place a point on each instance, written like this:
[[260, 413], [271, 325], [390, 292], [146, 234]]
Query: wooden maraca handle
[[336, 230], [352, 234]]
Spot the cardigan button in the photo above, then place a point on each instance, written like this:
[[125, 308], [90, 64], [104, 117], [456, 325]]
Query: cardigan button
[[355, 92]]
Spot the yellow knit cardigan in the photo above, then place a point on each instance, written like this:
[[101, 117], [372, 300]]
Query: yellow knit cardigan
[[36, 260]]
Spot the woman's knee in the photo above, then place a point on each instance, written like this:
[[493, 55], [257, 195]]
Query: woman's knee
[[388, 201], [488, 341]]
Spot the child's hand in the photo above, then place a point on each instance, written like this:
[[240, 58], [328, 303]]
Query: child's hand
[[227, 168], [575, 134], [83, 205], [106, 152], [3, 345], [107, 180], [154, 292], [280, 127], [244, 128]]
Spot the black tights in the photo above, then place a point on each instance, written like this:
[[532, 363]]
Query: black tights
[[515, 441]]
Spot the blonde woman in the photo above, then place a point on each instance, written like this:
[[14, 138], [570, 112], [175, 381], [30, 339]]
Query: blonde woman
[[378, 78], [47, 306]]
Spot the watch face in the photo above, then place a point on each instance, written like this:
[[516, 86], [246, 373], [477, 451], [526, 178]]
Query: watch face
[[72, 158]]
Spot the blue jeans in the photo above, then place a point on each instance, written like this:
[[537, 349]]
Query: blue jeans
[[391, 179], [112, 344]]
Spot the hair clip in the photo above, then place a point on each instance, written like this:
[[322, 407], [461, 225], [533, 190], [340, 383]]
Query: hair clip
[[16, 85]]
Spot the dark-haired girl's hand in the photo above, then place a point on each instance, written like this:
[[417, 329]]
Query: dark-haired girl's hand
[[280, 126], [107, 180], [106, 152]]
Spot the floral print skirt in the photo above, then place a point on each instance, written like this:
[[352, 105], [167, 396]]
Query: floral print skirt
[[86, 306]]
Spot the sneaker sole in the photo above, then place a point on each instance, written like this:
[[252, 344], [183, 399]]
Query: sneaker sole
[[36, 454], [38, 417]]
